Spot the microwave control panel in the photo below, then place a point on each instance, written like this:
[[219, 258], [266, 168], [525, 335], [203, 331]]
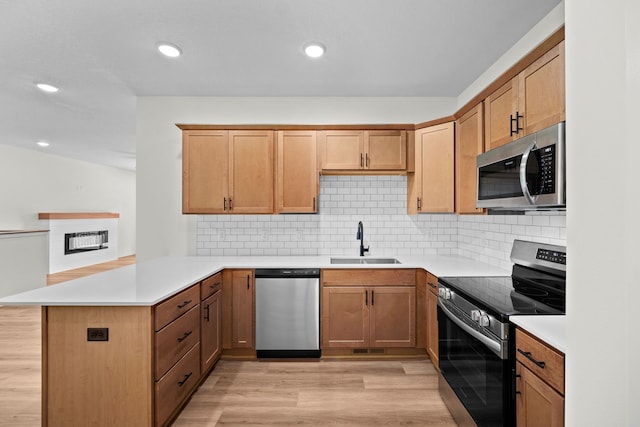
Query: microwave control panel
[[547, 163]]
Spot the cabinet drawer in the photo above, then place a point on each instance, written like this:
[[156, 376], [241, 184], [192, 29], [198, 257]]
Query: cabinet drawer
[[546, 362], [432, 283], [210, 285], [176, 306], [176, 385], [369, 277], [175, 339]]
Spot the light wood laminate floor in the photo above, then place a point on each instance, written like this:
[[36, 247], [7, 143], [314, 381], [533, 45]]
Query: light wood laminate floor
[[326, 393], [248, 393]]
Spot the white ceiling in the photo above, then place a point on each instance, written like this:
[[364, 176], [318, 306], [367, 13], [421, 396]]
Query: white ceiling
[[102, 55]]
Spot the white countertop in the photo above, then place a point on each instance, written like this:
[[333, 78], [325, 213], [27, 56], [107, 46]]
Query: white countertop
[[550, 329], [148, 283]]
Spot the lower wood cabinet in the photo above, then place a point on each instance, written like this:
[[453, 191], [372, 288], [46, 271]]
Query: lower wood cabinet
[[238, 319], [174, 340], [211, 336], [421, 309], [539, 383], [362, 317], [432, 318], [381, 315], [128, 365], [174, 387]]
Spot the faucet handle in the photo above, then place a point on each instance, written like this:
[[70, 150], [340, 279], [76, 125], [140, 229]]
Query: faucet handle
[[365, 249]]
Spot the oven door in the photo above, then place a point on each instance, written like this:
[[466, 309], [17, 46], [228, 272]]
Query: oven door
[[479, 377]]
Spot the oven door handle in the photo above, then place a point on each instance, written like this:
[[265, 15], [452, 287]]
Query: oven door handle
[[494, 346]]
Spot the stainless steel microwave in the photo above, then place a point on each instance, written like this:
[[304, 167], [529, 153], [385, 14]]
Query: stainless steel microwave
[[525, 174]]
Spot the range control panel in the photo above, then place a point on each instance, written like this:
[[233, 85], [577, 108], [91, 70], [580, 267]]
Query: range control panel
[[552, 256]]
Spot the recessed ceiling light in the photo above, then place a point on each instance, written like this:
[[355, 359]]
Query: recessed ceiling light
[[169, 49], [46, 87], [43, 143], [314, 49]]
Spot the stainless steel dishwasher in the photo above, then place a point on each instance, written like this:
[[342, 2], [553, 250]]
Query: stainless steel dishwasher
[[288, 312]]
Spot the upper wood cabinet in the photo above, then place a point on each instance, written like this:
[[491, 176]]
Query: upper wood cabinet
[[251, 172], [205, 171], [531, 101], [431, 188], [297, 180], [227, 172], [360, 150], [469, 143]]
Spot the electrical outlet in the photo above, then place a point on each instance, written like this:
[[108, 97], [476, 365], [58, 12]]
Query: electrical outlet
[[97, 334]]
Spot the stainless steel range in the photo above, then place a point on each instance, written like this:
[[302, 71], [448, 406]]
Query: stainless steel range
[[476, 340]]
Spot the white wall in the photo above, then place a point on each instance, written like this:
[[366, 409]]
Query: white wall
[[34, 182], [162, 229], [603, 231]]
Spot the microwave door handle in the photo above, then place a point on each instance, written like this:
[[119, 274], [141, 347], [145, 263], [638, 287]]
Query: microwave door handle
[[523, 173]]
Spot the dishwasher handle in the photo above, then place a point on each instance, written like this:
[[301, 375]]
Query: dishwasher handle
[[291, 273]]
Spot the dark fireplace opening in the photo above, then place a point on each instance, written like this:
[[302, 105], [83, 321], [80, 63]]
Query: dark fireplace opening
[[85, 241]]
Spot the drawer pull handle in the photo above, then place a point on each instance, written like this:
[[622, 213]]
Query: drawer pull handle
[[184, 337], [214, 285], [184, 304], [527, 354], [432, 285], [184, 380]]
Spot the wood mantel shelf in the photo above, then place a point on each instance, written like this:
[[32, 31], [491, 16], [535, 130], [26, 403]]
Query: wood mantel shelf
[[77, 215]]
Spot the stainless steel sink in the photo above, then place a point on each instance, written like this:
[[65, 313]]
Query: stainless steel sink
[[364, 261]]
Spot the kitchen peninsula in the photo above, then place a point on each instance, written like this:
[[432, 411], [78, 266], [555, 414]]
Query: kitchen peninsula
[[115, 323]]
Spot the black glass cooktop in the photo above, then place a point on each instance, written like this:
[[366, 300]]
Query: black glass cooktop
[[526, 291]]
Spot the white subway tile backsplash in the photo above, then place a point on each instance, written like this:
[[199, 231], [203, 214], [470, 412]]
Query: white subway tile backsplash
[[380, 203]]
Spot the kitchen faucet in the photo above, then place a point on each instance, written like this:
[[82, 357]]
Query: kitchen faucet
[[360, 236]]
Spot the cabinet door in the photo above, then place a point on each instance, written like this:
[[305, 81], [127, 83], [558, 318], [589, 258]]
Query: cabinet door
[[205, 171], [537, 404], [542, 91], [393, 316], [435, 168], [421, 309], [385, 150], [469, 143], [251, 178], [242, 309], [345, 317], [342, 149], [210, 341], [432, 327], [499, 107], [297, 178]]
